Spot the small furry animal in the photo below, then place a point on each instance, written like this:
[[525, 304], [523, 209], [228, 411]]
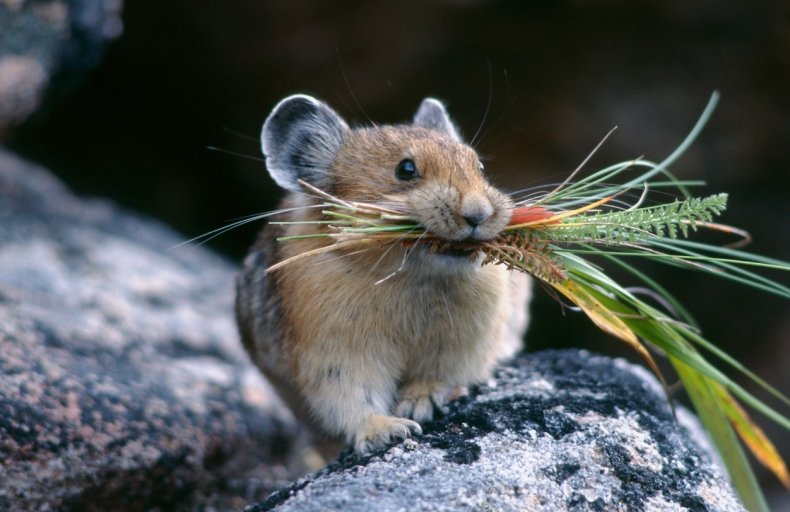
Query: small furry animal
[[363, 346]]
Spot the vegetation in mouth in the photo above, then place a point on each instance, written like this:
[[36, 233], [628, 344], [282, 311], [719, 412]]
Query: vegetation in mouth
[[567, 235], [456, 250]]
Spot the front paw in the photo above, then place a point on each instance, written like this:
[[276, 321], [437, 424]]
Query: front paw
[[420, 401], [381, 430]]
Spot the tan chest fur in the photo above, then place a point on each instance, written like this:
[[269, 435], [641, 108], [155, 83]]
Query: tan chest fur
[[411, 320]]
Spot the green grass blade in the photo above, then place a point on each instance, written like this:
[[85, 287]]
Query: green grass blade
[[653, 285], [695, 337], [723, 436], [726, 270], [652, 325], [683, 147]]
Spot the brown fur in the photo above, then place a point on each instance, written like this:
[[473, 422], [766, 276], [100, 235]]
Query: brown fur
[[361, 345]]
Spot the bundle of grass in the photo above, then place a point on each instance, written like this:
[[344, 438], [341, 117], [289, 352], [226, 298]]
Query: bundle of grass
[[555, 234]]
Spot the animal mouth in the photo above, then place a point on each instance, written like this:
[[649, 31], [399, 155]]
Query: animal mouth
[[465, 249], [456, 251]]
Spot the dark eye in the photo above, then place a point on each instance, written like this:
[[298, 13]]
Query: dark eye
[[480, 166], [406, 170]]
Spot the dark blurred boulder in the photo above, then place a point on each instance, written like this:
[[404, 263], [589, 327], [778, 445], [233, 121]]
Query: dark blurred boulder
[[558, 430], [49, 46], [122, 382]]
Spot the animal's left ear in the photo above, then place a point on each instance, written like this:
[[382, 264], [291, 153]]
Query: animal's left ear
[[433, 115]]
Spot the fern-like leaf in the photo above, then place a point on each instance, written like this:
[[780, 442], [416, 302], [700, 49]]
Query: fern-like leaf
[[640, 224]]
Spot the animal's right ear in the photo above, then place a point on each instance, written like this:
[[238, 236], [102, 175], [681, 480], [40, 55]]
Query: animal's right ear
[[433, 115], [300, 139]]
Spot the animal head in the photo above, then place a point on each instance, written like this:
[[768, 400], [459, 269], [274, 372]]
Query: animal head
[[423, 166]]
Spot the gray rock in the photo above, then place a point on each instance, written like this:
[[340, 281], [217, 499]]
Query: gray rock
[[557, 430], [49, 47], [123, 385]]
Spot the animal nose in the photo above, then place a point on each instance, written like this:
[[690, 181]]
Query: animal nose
[[476, 219], [476, 211]]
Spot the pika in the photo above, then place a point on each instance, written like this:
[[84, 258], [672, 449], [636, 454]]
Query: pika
[[365, 346]]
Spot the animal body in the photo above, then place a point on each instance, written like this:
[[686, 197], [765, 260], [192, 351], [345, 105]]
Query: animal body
[[364, 346]]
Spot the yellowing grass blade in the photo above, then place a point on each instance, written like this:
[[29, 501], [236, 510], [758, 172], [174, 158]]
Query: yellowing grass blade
[[751, 434], [716, 407], [605, 319], [558, 217]]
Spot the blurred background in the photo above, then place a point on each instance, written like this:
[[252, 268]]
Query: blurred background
[[541, 81]]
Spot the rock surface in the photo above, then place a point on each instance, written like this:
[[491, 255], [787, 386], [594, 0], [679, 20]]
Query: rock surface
[[122, 382], [558, 430]]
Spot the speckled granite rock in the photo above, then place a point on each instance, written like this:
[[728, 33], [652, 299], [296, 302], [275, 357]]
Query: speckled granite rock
[[556, 431], [46, 43], [123, 385]]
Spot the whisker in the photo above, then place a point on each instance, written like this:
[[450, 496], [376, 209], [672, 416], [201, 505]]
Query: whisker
[[241, 135], [235, 153], [350, 90], [344, 255], [488, 104], [449, 314], [408, 252], [214, 233], [384, 255], [584, 162]]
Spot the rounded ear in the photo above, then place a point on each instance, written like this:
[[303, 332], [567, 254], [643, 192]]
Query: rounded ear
[[433, 115], [300, 139]]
